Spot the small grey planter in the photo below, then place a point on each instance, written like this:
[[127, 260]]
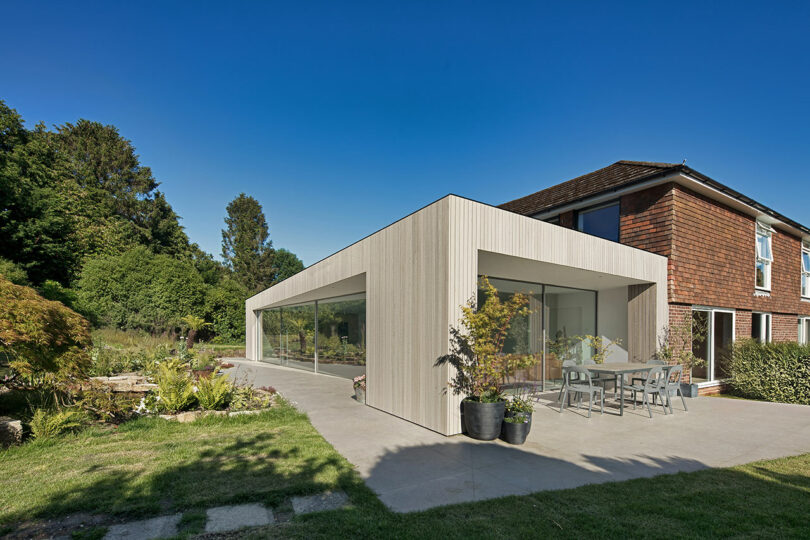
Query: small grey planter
[[689, 390], [360, 394]]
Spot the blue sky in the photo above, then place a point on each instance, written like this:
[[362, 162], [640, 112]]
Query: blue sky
[[343, 117]]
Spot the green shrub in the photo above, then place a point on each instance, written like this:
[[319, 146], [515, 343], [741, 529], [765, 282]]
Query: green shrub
[[103, 404], [47, 424], [108, 362], [214, 392], [772, 371], [175, 388]]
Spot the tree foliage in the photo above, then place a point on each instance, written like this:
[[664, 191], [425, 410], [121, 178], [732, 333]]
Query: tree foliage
[[140, 290], [246, 247], [285, 264], [477, 348], [41, 336]]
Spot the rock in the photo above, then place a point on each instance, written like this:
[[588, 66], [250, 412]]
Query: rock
[[10, 431], [331, 500], [231, 518], [159, 527], [126, 383]]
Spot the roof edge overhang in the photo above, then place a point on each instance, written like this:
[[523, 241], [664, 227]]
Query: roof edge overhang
[[697, 182]]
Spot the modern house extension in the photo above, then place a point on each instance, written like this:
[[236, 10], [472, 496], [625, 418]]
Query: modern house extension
[[384, 305], [736, 267], [621, 253]]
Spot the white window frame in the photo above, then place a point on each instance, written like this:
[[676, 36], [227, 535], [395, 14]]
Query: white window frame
[[804, 337], [767, 325], [805, 272], [763, 229]]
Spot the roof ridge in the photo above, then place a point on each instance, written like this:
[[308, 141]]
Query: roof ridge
[[656, 164]]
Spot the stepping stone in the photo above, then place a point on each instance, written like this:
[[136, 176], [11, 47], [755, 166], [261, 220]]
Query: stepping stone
[[231, 518], [147, 529], [331, 500]]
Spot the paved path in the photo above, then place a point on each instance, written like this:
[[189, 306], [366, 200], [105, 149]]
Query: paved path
[[412, 468]]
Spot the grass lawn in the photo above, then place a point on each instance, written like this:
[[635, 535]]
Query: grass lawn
[[153, 467]]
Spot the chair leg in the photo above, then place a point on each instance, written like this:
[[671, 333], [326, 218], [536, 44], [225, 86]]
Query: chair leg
[[562, 402], [559, 395], [682, 400], [663, 403], [602, 402], [590, 402], [669, 402], [646, 399]]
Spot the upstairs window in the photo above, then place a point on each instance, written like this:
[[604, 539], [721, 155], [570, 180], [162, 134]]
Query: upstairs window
[[601, 221], [806, 270], [764, 257], [761, 327]]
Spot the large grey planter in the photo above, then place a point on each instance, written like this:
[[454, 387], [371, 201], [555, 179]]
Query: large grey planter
[[483, 420], [360, 394], [689, 390]]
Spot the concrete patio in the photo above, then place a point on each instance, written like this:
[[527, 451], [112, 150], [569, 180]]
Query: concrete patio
[[411, 468]]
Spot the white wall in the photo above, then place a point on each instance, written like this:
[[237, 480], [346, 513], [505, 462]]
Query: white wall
[[611, 318]]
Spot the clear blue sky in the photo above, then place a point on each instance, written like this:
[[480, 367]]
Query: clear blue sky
[[342, 117]]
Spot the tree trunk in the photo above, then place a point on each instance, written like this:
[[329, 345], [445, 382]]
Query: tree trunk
[[190, 338]]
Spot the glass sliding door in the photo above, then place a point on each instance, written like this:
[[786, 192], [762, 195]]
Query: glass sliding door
[[712, 339], [570, 315], [342, 336]]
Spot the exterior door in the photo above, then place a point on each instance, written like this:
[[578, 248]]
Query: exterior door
[[712, 338]]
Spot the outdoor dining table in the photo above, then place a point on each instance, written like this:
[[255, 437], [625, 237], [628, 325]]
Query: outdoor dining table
[[619, 370]]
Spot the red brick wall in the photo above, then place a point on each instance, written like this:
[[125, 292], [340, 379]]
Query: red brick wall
[[742, 325], [713, 255], [784, 327], [679, 315]]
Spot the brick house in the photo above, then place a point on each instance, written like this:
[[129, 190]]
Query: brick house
[[738, 268]]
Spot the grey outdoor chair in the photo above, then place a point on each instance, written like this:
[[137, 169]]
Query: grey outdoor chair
[[582, 385], [672, 386], [652, 386], [566, 369]]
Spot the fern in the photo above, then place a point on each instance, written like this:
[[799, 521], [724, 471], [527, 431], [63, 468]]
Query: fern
[[214, 392], [47, 424], [175, 389]]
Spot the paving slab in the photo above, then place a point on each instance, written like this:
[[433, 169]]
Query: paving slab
[[331, 500], [411, 468], [239, 516], [147, 529]]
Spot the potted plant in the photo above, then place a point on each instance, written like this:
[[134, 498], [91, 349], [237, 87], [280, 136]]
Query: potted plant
[[360, 388], [517, 421], [481, 367], [675, 347]]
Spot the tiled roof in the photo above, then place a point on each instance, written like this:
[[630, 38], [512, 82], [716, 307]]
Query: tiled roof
[[611, 177]]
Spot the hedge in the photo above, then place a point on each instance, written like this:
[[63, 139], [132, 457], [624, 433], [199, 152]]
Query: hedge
[[771, 371]]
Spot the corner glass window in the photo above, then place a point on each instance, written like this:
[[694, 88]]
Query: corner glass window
[[764, 257], [806, 271], [601, 221]]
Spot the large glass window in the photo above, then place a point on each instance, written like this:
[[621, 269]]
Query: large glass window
[[764, 257], [288, 336], [554, 330], [601, 221], [342, 336], [806, 271], [335, 327]]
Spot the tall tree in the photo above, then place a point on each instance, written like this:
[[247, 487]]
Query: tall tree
[[246, 246]]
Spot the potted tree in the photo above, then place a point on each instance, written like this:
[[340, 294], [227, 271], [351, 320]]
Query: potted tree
[[480, 365]]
